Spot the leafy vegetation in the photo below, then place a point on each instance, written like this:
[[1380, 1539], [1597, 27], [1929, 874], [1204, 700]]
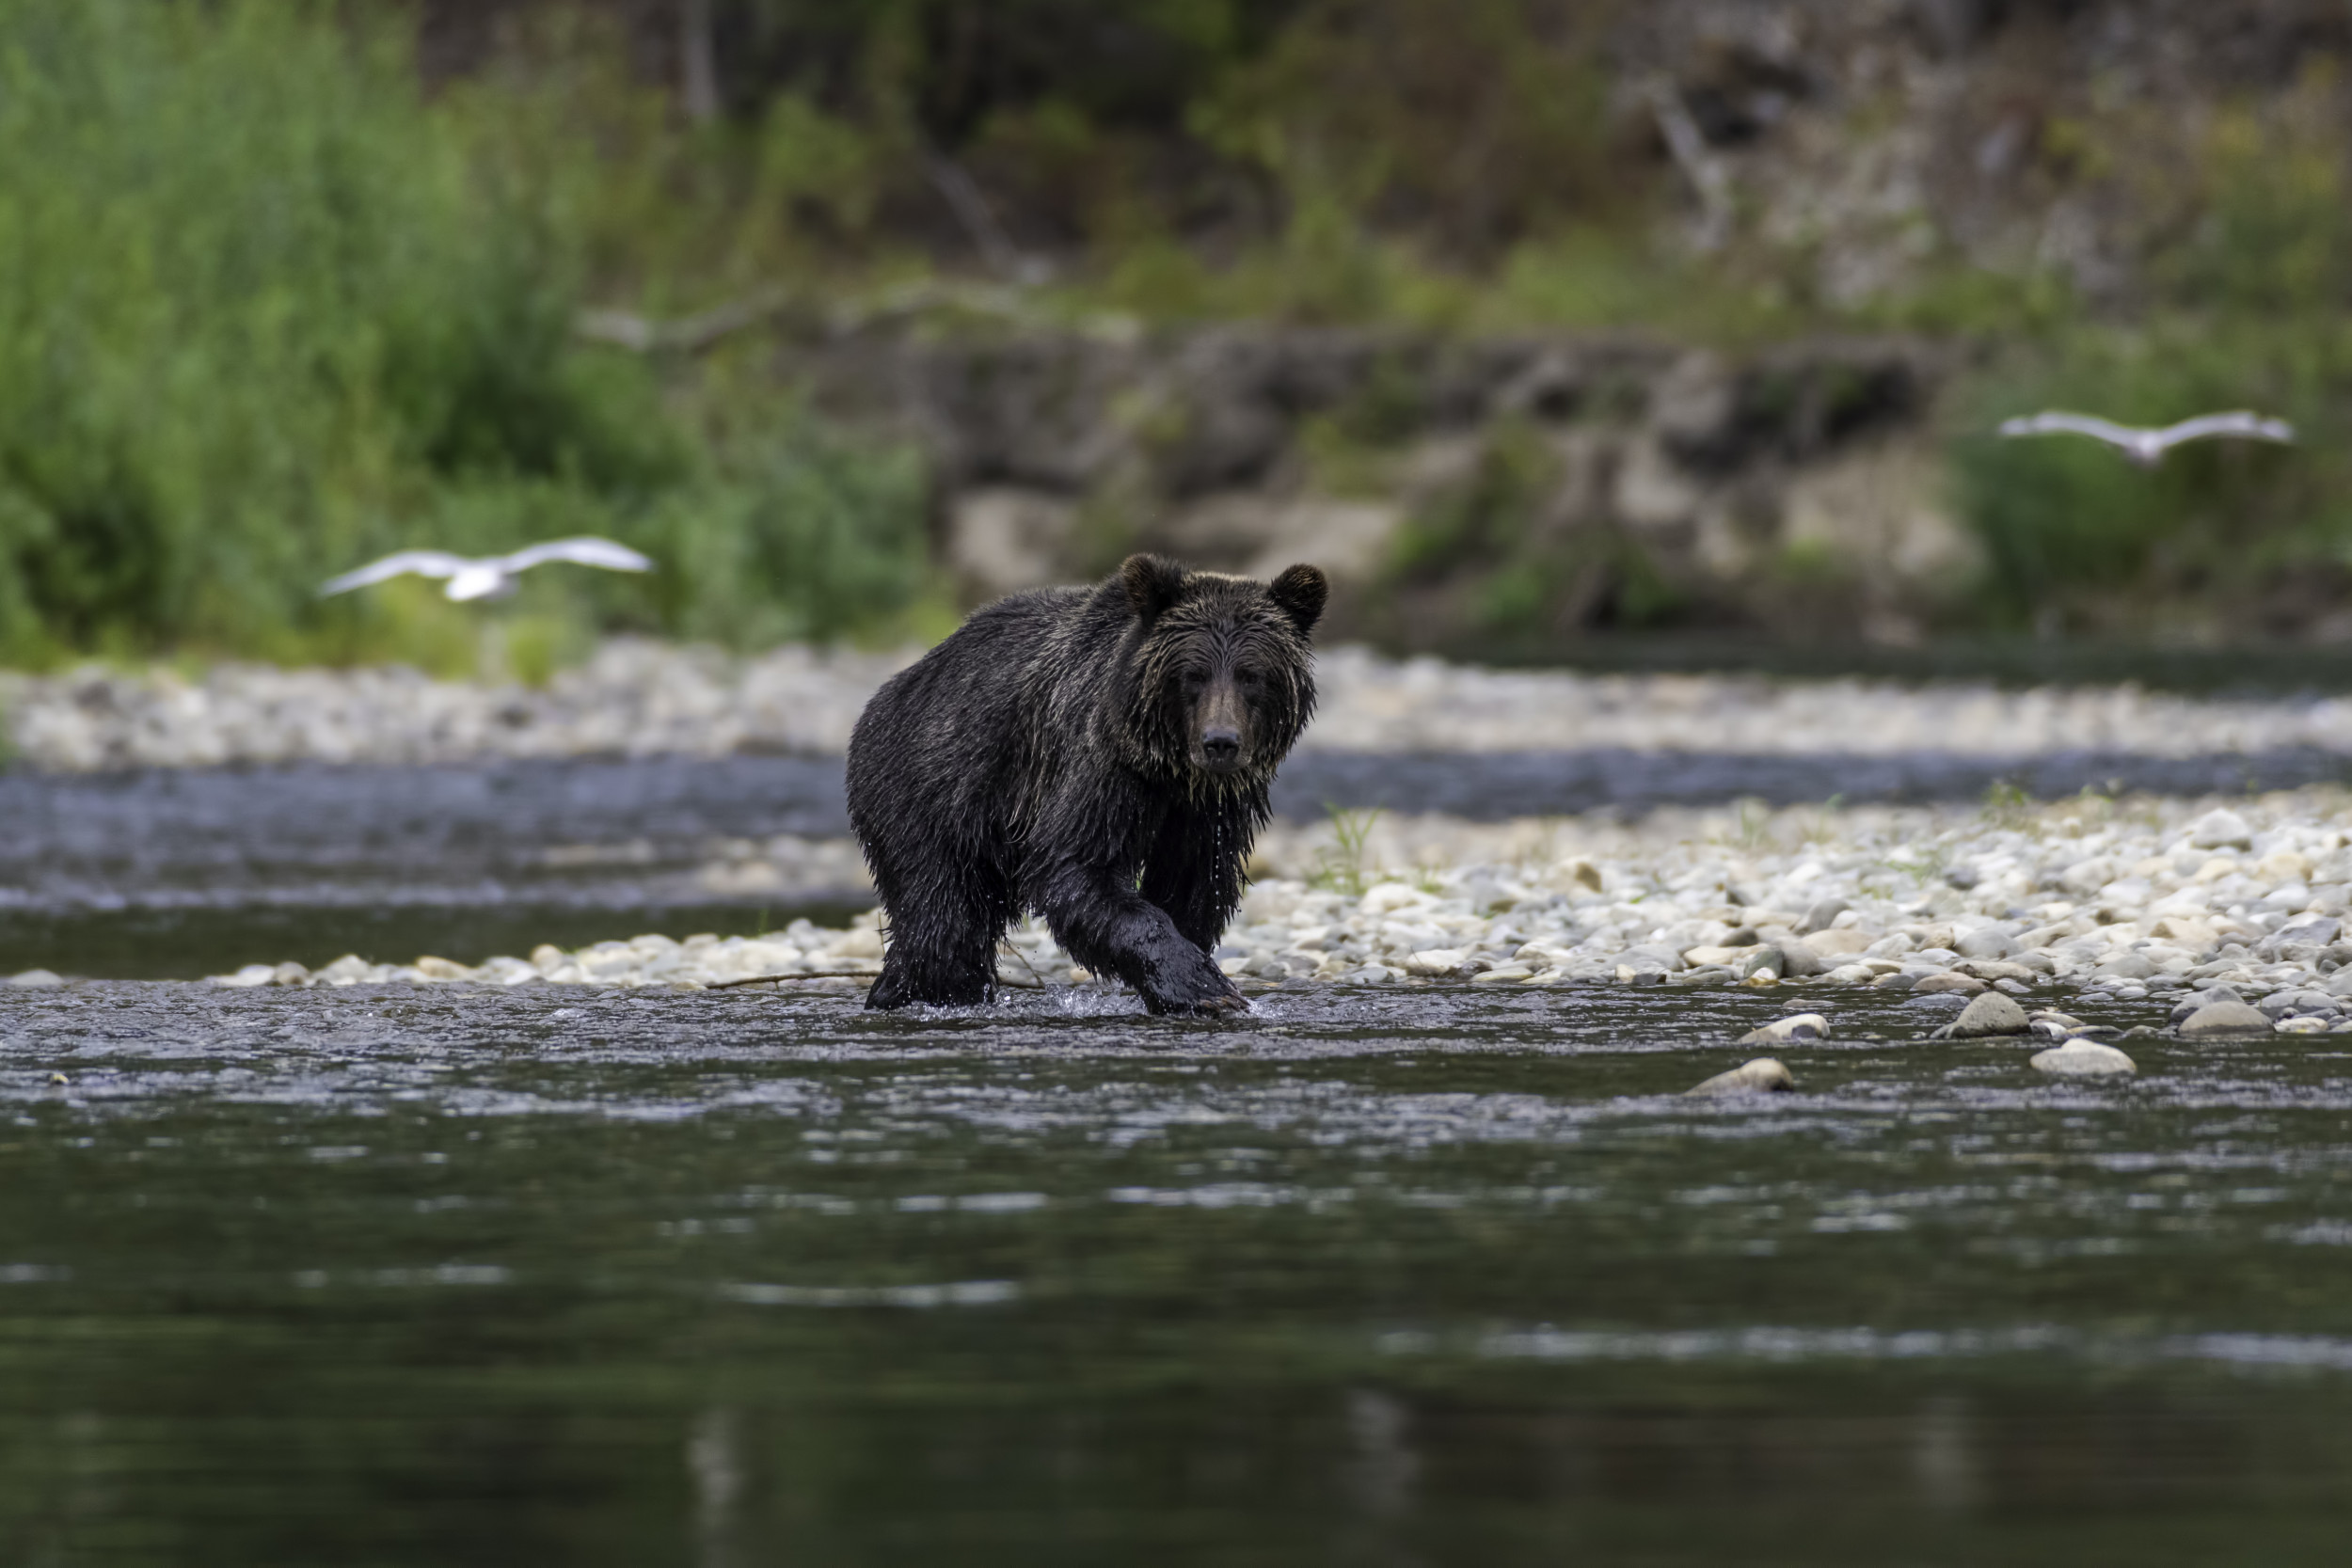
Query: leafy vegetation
[[2072, 530], [2248, 313], [266, 311]]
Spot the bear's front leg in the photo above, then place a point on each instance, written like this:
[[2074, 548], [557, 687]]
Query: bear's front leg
[[1114, 930], [1193, 869]]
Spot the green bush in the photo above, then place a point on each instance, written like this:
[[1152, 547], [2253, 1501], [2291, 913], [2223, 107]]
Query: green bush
[[2248, 313], [267, 311], [2068, 523], [793, 533]]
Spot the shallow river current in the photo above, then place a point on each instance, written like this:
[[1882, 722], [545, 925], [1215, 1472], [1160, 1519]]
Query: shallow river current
[[1447, 1276]]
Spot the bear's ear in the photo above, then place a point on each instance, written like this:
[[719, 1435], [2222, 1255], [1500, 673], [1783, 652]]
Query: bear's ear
[[1153, 584], [1299, 592]]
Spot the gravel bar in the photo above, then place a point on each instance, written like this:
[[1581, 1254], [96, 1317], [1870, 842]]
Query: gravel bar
[[2173, 903], [638, 698]]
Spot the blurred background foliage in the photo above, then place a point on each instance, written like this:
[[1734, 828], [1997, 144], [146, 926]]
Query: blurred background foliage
[[286, 285]]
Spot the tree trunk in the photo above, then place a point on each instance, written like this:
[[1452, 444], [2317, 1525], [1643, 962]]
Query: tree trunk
[[698, 58]]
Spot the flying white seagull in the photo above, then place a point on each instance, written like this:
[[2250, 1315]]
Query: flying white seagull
[[2147, 447], [489, 577]]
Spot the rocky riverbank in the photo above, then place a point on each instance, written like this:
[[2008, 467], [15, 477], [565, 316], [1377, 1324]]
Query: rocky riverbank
[[2170, 906], [638, 699]]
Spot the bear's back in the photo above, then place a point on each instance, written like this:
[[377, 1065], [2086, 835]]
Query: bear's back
[[971, 727]]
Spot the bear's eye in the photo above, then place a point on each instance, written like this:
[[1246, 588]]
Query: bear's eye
[[1196, 679], [1245, 678]]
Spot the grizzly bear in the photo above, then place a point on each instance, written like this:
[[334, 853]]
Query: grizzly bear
[[1100, 755]]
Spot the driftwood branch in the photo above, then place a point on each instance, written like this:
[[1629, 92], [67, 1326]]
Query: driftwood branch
[[695, 334], [1034, 981], [1004, 258], [811, 974], [1708, 179], [688, 333]]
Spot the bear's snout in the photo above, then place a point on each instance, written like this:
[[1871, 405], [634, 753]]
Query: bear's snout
[[1218, 724]]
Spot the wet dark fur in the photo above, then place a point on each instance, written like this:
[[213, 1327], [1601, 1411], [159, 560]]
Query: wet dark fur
[[1099, 755]]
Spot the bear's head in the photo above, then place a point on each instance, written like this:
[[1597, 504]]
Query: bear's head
[[1222, 668]]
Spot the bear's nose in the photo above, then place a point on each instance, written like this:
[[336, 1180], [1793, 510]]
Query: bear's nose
[[1222, 745]]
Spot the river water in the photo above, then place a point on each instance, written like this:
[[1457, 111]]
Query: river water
[[460, 1275]]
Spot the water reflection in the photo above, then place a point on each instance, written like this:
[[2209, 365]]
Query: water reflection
[[714, 1460]]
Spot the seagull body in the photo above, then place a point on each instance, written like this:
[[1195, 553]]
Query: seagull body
[[489, 577], [2147, 445]]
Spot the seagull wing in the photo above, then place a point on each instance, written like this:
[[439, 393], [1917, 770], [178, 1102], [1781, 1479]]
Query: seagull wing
[[2057, 422], [423, 563], [583, 552], [2242, 422]]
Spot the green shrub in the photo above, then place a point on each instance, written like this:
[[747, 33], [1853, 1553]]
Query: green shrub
[[1470, 122], [2247, 312], [247, 310], [793, 533], [267, 311], [2068, 523]]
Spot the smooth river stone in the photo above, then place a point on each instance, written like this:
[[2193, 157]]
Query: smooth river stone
[[1842, 943], [1764, 1075], [1987, 944], [1799, 959], [2189, 1003], [1990, 1014], [2219, 1020], [2082, 1058], [2220, 829]]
